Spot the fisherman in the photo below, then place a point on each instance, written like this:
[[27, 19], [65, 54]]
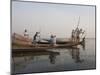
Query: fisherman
[[73, 35], [77, 35], [26, 35], [36, 38], [53, 40], [82, 33], [83, 39]]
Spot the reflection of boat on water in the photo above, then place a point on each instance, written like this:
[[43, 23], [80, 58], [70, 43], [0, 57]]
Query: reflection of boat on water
[[35, 53], [25, 58], [22, 59], [28, 56], [75, 53]]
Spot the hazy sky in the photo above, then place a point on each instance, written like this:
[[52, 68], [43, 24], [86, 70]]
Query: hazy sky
[[58, 19]]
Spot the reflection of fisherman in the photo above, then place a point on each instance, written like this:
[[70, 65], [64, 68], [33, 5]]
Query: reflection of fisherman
[[36, 38], [76, 55], [52, 58], [53, 40]]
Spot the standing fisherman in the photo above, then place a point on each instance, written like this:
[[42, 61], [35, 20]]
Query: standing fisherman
[[76, 34], [54, 40], [36, 38], [73, 35], [26, 34]]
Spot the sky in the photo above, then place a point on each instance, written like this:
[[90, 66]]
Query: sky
[[50, 18]]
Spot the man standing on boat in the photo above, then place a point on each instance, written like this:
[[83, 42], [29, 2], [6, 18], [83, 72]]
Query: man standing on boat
[[77, 32], [73, 35], [77, 35], [26, 35], [36, 38], [54, 40]]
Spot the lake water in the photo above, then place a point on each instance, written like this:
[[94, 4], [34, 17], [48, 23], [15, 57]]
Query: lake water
[[64, 60]]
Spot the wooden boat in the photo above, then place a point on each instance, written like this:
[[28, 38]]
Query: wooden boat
[[20, 43], [43, 47]]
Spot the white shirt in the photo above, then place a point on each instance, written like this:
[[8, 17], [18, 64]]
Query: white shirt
[[26, 34]]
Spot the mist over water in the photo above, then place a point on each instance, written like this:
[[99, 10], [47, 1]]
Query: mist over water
[[58, 19]]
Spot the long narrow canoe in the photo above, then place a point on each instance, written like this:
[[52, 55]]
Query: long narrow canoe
[[21, 45], [42, 47]]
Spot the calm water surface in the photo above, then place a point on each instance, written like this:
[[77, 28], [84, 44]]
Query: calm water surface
[[56, 59]]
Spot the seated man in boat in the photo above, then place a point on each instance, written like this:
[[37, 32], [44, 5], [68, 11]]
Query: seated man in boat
[[53, 40], [36, 38]]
